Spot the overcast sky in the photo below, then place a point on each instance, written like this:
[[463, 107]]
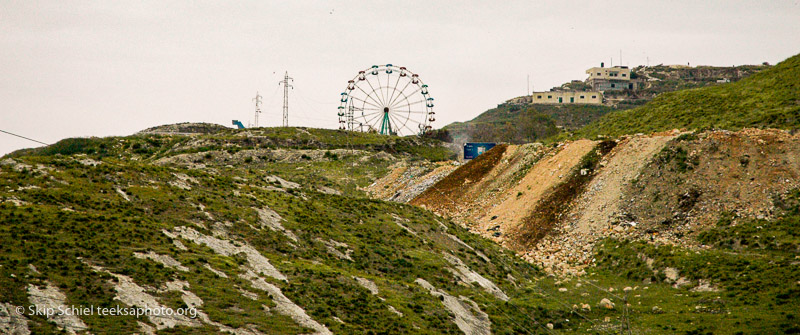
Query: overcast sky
[[101, 68]]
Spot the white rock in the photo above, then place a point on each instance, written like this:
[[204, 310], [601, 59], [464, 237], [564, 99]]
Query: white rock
[[463, 308], [607, 304]]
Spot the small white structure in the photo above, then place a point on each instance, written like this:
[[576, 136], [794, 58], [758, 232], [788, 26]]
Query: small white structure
[[567, 97]]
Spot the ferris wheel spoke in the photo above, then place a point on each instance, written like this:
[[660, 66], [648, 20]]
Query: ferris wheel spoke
[[403, 125], [380, 88], [386, 93], [369, 117], [369, 96], [401, 93], [397, 126], [366, 102], [400, 101], [390, 89], [398, 119], [414, 92], [378, 118], [370, 114], [373, 90], [409, 104], [415, 121]]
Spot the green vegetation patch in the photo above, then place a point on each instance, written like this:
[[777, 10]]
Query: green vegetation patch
[[768, 99]]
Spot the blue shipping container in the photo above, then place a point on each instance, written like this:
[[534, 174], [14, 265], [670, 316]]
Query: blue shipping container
[[472, 150]]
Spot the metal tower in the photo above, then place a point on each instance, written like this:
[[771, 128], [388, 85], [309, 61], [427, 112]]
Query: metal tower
[[286, 87], [257, 99]]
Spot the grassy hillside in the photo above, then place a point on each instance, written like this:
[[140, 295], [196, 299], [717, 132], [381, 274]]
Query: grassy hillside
[[268, 231], [747, 264], [768, 99], [248, 227], [524, 124]]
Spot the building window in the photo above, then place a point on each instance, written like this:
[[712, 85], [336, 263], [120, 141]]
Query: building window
[[623, 75], [594, 97], [581, 97], [613, 85], [599, 74], [538, 97], [549, 96]]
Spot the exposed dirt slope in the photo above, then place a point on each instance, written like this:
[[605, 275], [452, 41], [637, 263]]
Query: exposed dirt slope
[[695, 178], [592, 214], [518, 200], [447, 193], [659, 188], [474, 198], [602, 199]]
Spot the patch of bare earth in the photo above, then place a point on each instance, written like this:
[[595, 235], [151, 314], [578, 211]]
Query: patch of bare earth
[[519, 200], [739, 173], [407, 180], [568, 249]]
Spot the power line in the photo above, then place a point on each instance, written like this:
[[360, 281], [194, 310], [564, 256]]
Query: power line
[[27, 138]]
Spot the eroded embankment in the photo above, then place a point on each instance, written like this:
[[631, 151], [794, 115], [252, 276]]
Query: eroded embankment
[[589, 218], [518, 199], [662, 188], [445, 195], [697, 178], [548, 211]]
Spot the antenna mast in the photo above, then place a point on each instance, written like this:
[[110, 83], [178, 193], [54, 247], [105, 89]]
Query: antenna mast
[[529, 85], [286, 87], [257, 99]]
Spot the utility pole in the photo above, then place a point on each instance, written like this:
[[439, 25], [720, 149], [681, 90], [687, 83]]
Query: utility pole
[[286, 87], [257, 99], [529, 85]]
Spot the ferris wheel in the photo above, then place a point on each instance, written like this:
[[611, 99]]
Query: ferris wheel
[[386, 99]]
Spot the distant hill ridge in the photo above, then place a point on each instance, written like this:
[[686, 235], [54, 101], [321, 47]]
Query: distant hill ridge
[[518, 121], [768, 99]]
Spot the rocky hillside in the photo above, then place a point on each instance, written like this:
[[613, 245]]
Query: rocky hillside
[[711, 216], [768, 99], [258, 231]]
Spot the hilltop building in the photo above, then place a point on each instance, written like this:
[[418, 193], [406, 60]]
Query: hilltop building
[[617, 78], [567, 97]]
